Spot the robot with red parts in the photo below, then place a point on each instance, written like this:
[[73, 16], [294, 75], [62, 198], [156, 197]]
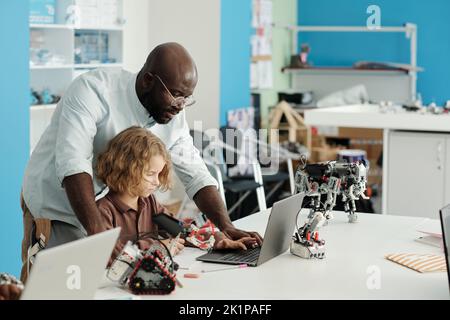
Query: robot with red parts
[[328, 179], [153, 271]]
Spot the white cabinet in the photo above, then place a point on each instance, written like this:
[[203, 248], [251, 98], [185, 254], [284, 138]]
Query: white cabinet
[[59, 52], [447, 172], [419, 173]]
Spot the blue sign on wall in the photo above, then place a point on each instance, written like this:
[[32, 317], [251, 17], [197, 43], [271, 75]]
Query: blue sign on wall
[[343, 49]]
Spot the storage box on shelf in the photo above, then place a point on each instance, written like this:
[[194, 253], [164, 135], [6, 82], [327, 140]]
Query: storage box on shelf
[[42, 11]]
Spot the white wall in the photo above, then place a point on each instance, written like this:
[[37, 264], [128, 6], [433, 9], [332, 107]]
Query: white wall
[[136, 34], [196, 25]]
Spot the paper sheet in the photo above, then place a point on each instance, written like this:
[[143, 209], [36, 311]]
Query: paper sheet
[[430, 227], [419, 262]]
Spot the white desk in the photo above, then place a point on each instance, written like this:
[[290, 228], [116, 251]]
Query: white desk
[[352, 249], [419, 156], [369, 116]]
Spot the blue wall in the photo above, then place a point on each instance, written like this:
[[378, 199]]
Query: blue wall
[[235, 55], [14, 131], [431, 17]]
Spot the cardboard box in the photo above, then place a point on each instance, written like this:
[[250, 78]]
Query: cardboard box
[[360, 133], [373, 150], [318, 141], [321, 154]]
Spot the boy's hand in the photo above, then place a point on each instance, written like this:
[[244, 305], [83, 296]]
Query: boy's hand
[[174, 247]]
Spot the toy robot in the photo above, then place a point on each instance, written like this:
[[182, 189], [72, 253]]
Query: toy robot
[[152, 271], [329, 179], [144, 272]]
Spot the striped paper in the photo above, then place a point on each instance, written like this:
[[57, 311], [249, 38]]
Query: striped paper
[[420, 262]]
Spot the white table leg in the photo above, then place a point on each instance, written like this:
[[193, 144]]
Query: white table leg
[[384, 188]]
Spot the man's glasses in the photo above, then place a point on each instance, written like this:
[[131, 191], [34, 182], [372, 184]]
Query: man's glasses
[[177, 101]]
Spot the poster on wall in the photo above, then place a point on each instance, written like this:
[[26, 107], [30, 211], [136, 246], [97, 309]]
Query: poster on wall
[[261, 69]]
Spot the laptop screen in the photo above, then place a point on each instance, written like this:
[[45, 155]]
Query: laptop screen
[[445, 223]]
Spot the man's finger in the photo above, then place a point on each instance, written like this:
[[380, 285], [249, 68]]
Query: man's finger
[[256, 236], [241, 246]]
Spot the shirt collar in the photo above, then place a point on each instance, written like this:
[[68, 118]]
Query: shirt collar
[[142, 113], [123, 207]]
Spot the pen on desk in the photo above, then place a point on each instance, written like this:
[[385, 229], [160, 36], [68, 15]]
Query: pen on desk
[[241, 266], [173, 243], [178, 283]]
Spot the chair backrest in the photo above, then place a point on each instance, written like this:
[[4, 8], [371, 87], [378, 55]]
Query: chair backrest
[[215, 164]]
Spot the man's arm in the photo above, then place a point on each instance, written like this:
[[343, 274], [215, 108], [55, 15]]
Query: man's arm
[[200, 185], [81, 110], [80, 191], [208, 200]]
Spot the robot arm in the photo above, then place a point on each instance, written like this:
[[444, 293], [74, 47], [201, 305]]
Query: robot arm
[[328, 179]]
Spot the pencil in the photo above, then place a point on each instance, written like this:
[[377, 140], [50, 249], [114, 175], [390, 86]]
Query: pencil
[[241, 266]]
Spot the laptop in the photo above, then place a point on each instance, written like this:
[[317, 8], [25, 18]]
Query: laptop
[[279, 231], [72, 271], [445, 224]]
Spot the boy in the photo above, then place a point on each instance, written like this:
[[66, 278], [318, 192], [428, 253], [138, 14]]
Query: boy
[[135, 165]]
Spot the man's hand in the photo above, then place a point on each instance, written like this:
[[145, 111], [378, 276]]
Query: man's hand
[[236, 234], [209, 201], [10, 292], [227, 243]]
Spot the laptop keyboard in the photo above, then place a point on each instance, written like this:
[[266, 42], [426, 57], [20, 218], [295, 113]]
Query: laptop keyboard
[[247, 256]]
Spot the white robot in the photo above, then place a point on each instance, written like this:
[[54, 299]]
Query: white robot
[[329, 179]]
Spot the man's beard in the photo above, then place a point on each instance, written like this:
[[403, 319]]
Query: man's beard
[[153, 111]]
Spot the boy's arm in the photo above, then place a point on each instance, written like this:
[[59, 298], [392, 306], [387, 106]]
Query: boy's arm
[[107, 222]]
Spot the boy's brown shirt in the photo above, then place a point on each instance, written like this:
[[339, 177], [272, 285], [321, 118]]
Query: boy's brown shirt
[[135, 224]]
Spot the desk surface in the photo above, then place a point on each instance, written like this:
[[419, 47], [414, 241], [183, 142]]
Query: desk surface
[[355, 254], [369, 116]]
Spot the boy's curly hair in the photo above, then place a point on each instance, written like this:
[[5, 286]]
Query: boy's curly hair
[[125, 161]]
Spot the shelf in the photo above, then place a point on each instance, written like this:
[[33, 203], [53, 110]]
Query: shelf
[[106, 28], [342, 69], [72, 27], [78, 66], [40, 107], [404, 29], [51, 26], [60, 41], [97, 65], [56, 66]]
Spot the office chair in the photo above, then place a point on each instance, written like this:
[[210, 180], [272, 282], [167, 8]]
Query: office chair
[[219, 156]]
